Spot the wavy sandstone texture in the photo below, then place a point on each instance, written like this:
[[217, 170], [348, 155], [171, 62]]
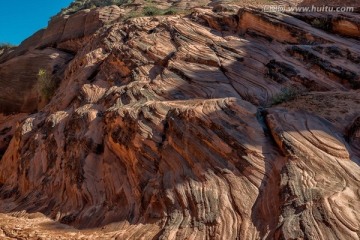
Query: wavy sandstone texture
[[165, 128]]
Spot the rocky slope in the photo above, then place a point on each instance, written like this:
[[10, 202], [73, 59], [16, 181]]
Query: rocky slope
[[226, 123]]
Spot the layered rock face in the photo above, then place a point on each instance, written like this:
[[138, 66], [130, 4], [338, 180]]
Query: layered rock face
[[225, 124], [18, 78]]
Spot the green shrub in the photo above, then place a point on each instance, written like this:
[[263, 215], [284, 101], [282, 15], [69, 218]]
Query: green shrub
[[287, 94], [79, 5], [171, 11], [45, 84], [6, 45], [152, 11], [321, 23]]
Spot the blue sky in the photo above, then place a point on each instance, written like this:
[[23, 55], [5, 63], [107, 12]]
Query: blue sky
[[19, 19]]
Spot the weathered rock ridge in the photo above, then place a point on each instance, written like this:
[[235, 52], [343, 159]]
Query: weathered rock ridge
[[220, 124]]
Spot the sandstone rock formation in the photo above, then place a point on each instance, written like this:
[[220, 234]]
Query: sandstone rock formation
[[224, 124]]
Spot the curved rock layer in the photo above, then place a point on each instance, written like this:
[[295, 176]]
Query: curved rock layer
[[18, 78], [165, 128]]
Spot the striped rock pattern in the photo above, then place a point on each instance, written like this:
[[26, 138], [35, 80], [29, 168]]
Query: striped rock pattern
[[176, 127]]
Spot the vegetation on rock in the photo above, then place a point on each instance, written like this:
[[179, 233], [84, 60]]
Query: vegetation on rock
[[286, 95], [46, 85], [6, 46], [89, 4]]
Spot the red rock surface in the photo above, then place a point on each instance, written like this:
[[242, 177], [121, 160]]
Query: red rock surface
[[166, 127]]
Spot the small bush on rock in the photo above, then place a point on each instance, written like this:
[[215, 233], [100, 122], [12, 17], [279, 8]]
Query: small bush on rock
[[152, 11], [45, 84], [287, 94], [6, 45]]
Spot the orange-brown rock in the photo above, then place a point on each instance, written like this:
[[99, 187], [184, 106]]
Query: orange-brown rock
[[18, 78], [215, 125]]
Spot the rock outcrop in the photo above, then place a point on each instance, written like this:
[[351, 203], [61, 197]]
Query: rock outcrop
[[18, 78], [214, 125]]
